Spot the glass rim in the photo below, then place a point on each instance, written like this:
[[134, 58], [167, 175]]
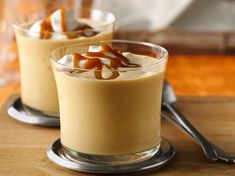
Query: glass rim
[[17, 25], [162, 59]]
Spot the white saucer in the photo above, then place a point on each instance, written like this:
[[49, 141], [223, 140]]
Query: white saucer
[[165, 154]]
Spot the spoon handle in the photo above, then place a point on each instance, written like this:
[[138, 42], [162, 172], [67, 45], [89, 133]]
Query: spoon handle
[[179, 119]]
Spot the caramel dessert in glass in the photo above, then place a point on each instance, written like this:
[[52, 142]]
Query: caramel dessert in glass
[[38, 37], [110, 100]]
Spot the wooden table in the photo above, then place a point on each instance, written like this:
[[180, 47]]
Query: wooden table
[[23, 147]]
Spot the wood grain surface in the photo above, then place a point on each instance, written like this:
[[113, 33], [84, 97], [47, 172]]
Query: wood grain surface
[[23, 147]]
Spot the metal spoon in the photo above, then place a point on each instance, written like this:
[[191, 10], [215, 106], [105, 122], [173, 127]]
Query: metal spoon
[[170, 111]]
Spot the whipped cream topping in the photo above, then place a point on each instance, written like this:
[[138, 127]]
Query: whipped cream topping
[[106, 63], [61, 24]]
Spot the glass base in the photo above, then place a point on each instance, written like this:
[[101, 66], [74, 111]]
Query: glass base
[[110, 159], [32, 111]]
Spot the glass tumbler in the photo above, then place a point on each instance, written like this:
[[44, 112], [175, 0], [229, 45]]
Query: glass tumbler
[[114, 120], [38, 89]]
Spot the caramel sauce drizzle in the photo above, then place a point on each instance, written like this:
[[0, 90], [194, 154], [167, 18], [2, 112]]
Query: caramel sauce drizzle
[[46, 29], [82, 29], [93, 61], [63, 20]]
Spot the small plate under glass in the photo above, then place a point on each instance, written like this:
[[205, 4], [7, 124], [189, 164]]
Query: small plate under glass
[[19, 112], [165, 154]]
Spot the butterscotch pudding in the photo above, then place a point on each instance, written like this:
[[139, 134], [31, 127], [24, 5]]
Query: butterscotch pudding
[[36, 39], [110, 99]]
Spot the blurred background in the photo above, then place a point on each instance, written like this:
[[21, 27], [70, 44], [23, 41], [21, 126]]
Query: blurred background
[[180, 25], [199, 35]]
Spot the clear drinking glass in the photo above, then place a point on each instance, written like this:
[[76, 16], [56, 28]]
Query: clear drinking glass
[[111, 121], [38, 89]]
